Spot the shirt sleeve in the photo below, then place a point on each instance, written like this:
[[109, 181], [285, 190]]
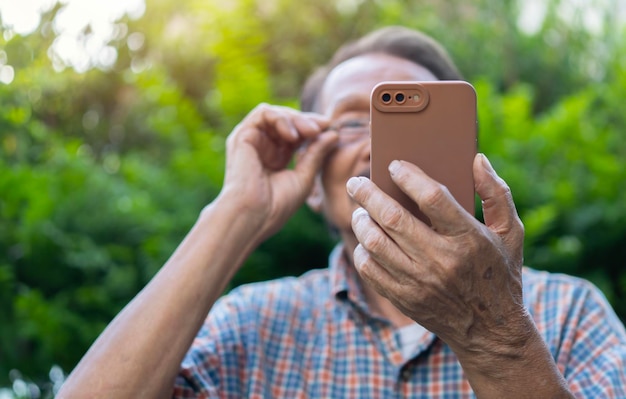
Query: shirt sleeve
[[211, 368], [593, 355], [586, 338], [228, 358]]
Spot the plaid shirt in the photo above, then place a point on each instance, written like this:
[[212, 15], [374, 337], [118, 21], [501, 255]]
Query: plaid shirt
[[313, 337]]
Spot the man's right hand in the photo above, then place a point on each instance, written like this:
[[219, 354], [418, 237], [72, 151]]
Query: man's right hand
[[259, 150], [258, 196]]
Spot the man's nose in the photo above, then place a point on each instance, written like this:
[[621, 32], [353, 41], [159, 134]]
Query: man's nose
[[366, 151], [364, 156]]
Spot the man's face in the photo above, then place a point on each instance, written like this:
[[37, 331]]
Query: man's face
[[345, 99]]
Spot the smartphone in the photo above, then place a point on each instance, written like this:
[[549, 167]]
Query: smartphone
[[430, 124]]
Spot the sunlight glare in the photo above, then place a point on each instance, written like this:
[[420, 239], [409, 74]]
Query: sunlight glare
[[531, 16], [83, 28], [73, 47], [7, 74], [23, 16]]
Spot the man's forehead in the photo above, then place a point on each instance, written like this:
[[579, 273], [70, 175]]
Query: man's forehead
[[357, 77]]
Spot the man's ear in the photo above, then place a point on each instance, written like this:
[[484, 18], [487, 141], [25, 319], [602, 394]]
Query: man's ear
[[315, 199]]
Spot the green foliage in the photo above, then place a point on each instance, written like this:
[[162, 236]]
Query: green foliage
[[566, 171], [102, 173], [91, 202]]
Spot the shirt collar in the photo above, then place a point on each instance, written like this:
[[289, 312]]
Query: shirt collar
[[344, 281], [345, 285]]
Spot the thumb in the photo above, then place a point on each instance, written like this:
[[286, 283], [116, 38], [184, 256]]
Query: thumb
[[310, 159], [498, 208]]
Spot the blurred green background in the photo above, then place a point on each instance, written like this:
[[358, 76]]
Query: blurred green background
[[108, 154]]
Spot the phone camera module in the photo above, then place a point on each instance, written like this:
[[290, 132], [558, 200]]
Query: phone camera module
[[386, 98], [399, 98]]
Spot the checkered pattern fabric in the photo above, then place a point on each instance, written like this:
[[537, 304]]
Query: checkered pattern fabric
[[313, 337]]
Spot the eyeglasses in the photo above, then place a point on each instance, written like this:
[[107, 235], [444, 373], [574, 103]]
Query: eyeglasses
[[352, 130]]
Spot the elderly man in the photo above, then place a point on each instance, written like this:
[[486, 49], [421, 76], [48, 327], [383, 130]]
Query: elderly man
[[403, 309]]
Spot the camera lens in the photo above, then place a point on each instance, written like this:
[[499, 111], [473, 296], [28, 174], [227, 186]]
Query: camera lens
[[400, 97], [386, 97]]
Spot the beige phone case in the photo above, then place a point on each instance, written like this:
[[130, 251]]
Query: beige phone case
[[434, 127]]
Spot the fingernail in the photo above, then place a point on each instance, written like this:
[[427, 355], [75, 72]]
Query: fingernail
[[359, 212], [394, 167], [486, 162], [323, 123], [329, 132], [294, 131], [353, 184], [312, 124]]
